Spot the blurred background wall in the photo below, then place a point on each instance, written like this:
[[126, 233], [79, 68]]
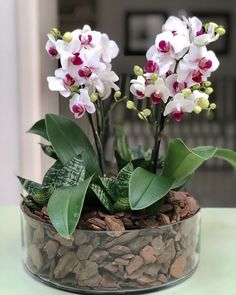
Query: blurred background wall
[[25, 98]]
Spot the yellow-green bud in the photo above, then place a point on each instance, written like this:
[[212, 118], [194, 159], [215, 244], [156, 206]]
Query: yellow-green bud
[[209, 90], [55, 32], [196, 86], [186, 92], [67, 37], [197, 109], [212, 106], [220, 30], [147, 112], [130, 104], [141, 115], [154, 77], [94, 97], [207, 83], [203, 103], [214, 25], [138, 71], [117, 94]]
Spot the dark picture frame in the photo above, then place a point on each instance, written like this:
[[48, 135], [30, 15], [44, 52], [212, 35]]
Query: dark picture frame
[[141, 27], [222, 45]]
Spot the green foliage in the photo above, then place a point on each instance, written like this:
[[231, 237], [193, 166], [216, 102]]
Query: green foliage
[[43, 195], [65, 206], [103, 196], [68, 140], [39, 128], [49, 151], [122, 143], [29, 186], [147, 188]]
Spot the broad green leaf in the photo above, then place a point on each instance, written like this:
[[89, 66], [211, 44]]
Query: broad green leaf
[[181, 162], [122, 143], [69, 140], [39, 128], [48, 150], [30, 186], [179, 183], [120, 161], [102, 196], [147, 188], [43, 195], [65, 206]]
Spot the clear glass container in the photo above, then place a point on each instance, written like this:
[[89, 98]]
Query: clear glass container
[[132, 261]]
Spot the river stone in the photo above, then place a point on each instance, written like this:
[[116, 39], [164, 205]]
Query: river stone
[[145, 279], [63, 241], [114, 224], [38, 237], [65, 265], [148, 254], [80, 237], [84, 251], [140, 242], [153, 269], [99, 255], [92, 282], [35, 256], [119, 250], [178, 267], [169, 252], [51, 248], [134, 264], [125, 238], [85, 270], [158, 245]]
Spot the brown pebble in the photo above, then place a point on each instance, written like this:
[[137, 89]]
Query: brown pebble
[[114, 224], [99, 255], [158, 245], [134, 264], [84, 251], [178, 267], [65, 265], [51, 248], [85, 270], [148, 254], [119, 250], [35, 256]]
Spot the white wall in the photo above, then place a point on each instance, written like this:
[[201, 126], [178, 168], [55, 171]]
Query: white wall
[[24, 99], [9, 105]]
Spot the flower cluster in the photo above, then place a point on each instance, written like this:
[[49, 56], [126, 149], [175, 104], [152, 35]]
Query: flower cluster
[[85, 73], [178, 67]]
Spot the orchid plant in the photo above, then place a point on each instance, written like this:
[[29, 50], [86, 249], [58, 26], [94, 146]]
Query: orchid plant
[[173, 82]]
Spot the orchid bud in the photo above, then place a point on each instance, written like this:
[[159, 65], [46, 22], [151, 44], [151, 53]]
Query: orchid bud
[[197, 110], [196, 86], [67, 37], [117, 94], [130, 104], [212, 106], [147, 112], [207, 83], [138, 71], [209, 90], [220, 31], [186, 92], [94, 97], [211, 24], [141, 116], [55, 32], [203, 103], [154, 77]]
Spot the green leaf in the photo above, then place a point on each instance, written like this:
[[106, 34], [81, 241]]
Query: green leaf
[[122, 143], [179, 183], [69, 140], [48, 150], [30, 186], [122, 204], [43, 195], [39, 128], [65, 206], [110, 186], [181, 162], [102, 196], [122, 180], [51, 174], [147, 188], [120, 161]]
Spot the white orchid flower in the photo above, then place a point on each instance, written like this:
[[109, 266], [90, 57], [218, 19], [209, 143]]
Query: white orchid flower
[[197, 65], [198, 34], [176, 26], [80, 103], [173, 85], [138, 87], [51, 47], [61, 82], [157, 91], [88, 38], [109, 48], [178, 106]]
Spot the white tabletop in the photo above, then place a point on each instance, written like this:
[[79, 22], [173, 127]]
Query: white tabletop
[[216, 274]]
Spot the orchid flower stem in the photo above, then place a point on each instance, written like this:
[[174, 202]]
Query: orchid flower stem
[[98, 145]]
